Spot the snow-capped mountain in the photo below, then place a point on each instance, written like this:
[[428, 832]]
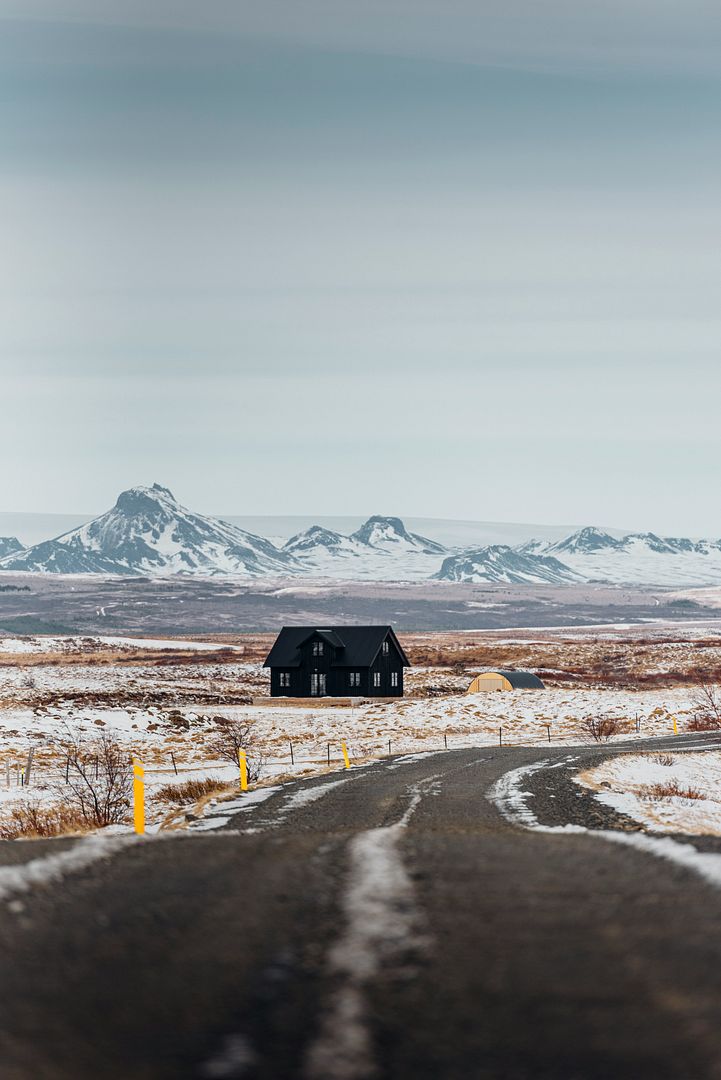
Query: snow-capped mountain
[[9, 545], [390, 534], [641, 559], [317, 541], [591, 554], [149, 532], [502, 563], [585, 541], [381, 549]]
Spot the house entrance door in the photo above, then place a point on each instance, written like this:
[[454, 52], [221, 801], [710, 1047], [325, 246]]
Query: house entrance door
[[317, 684]]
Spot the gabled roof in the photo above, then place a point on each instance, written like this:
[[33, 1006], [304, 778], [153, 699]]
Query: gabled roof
[[357, 646], [327, 635]]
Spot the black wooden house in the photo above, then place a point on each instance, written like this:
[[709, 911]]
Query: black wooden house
[[337, 661]]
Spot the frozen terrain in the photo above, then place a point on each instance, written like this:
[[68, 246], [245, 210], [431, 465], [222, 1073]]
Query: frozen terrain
[[163, 699], [664, 792]]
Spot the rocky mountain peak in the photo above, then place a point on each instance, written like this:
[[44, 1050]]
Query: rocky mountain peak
[[9, 545], [588, 539], [389, 532], [145, 500]]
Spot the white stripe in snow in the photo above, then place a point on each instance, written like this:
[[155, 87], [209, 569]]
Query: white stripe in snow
[[381, 926]]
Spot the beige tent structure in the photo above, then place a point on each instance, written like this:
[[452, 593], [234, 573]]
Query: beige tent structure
[[504, 680]]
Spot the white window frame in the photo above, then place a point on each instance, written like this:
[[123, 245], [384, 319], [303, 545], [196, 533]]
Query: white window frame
[[354, 678], [376, 679], [386, 648], [394, 679], [284, 680], [317, 648], [318, 686]]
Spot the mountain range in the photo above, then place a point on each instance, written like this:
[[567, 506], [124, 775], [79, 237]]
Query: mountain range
[[148, 532]]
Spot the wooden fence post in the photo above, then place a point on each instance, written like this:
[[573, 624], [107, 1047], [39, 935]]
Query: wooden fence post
[[29, 764]]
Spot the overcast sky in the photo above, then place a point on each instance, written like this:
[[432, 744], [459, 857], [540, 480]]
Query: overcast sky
[[454, 259]]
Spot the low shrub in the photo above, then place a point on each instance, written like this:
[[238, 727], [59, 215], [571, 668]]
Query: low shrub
[[190, 790], [663, 759], [602, 728], [34, 821], [703, 722], [671, 789], [229, 737], [707, 708], [96, 779]]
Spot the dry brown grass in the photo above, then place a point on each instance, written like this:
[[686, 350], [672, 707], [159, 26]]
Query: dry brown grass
[[588, 662], [192, 790], [671, 789], [702, 723], [34, 821], [442, 662]]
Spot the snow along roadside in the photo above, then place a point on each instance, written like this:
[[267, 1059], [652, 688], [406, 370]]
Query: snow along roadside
[[511, 800], [666, 793], [49, 869], [18, 879]]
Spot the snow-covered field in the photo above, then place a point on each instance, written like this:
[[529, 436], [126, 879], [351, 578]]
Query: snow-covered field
[[32, 645], [163, 700], [665, 792]]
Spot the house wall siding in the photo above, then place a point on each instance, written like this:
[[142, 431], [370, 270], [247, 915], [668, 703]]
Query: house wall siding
[[338, 678]]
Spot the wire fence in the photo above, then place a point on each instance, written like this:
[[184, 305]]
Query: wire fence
[[300, 753]]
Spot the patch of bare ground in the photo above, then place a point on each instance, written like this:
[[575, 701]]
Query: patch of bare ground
[[636, 661]]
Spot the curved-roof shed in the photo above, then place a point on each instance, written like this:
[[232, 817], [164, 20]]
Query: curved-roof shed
[[505, 680]]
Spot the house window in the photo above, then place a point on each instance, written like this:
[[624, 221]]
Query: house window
[[394, 678], [354, 678], [284, 679], [376, 678], [317, 684], [317, 648], [386, 647]]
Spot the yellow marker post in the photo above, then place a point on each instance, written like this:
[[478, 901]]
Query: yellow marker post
[[344, 748], [138, 797], [675, 726], [243, 762]]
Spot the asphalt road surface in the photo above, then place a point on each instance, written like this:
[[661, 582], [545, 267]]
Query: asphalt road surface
[[391, 921]]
